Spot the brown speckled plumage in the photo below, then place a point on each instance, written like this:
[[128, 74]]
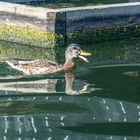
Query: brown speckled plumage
[[44, 67]]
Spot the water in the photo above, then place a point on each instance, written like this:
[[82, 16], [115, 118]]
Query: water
[[86, 3], [98, 100]]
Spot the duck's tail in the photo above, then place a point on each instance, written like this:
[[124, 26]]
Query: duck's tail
[[16, 62], [12, 63]]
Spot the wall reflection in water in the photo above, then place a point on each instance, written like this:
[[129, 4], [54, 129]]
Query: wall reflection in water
[[69, 85]]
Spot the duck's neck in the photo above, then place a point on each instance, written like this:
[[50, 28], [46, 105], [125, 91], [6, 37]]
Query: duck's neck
[[68, 65], [68, 61]]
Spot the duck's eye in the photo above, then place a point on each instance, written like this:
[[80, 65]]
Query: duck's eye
[[74, 48]]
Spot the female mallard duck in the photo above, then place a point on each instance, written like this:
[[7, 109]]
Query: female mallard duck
[[35, 67]]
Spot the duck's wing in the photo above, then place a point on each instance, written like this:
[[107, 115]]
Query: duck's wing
[[28, 66], [17, 61], [52, 63], [21, 61], [39, 64]]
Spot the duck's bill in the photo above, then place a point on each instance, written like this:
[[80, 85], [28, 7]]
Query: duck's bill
[[82, 54], [84, 58]]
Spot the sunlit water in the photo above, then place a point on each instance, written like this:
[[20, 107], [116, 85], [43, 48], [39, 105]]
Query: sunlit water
[[98, 100]]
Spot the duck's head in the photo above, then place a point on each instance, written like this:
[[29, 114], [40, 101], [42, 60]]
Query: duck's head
[[73, 50]]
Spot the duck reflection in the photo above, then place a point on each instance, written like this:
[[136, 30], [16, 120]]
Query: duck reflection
[[72, 86]]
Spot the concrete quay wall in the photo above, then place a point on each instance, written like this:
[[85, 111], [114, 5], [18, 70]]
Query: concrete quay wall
[[51, 27]]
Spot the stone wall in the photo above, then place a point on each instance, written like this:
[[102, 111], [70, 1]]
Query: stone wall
[[28, 25], [86, 18], [52, 27], [100, 23]]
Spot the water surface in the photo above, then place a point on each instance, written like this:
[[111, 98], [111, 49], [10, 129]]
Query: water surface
[[86, 3], [98, 100]]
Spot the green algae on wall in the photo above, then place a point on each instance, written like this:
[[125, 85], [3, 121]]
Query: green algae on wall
[[34, 37], [104, 34], [37, 37]]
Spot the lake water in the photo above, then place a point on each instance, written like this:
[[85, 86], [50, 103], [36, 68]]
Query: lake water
[[98, 100], [86, 3]]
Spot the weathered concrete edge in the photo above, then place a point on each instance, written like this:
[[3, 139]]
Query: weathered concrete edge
[[40, 12], [24, 10]]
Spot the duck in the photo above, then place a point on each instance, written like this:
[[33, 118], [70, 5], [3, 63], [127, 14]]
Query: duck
[[43, 67]]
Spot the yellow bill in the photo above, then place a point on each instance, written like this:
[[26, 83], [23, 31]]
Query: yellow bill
[[82, 54]]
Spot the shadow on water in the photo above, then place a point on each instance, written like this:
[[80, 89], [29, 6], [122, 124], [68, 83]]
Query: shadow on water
[[106, 101]]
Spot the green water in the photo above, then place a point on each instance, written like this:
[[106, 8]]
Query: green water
[[98, 100], [86, 3]]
